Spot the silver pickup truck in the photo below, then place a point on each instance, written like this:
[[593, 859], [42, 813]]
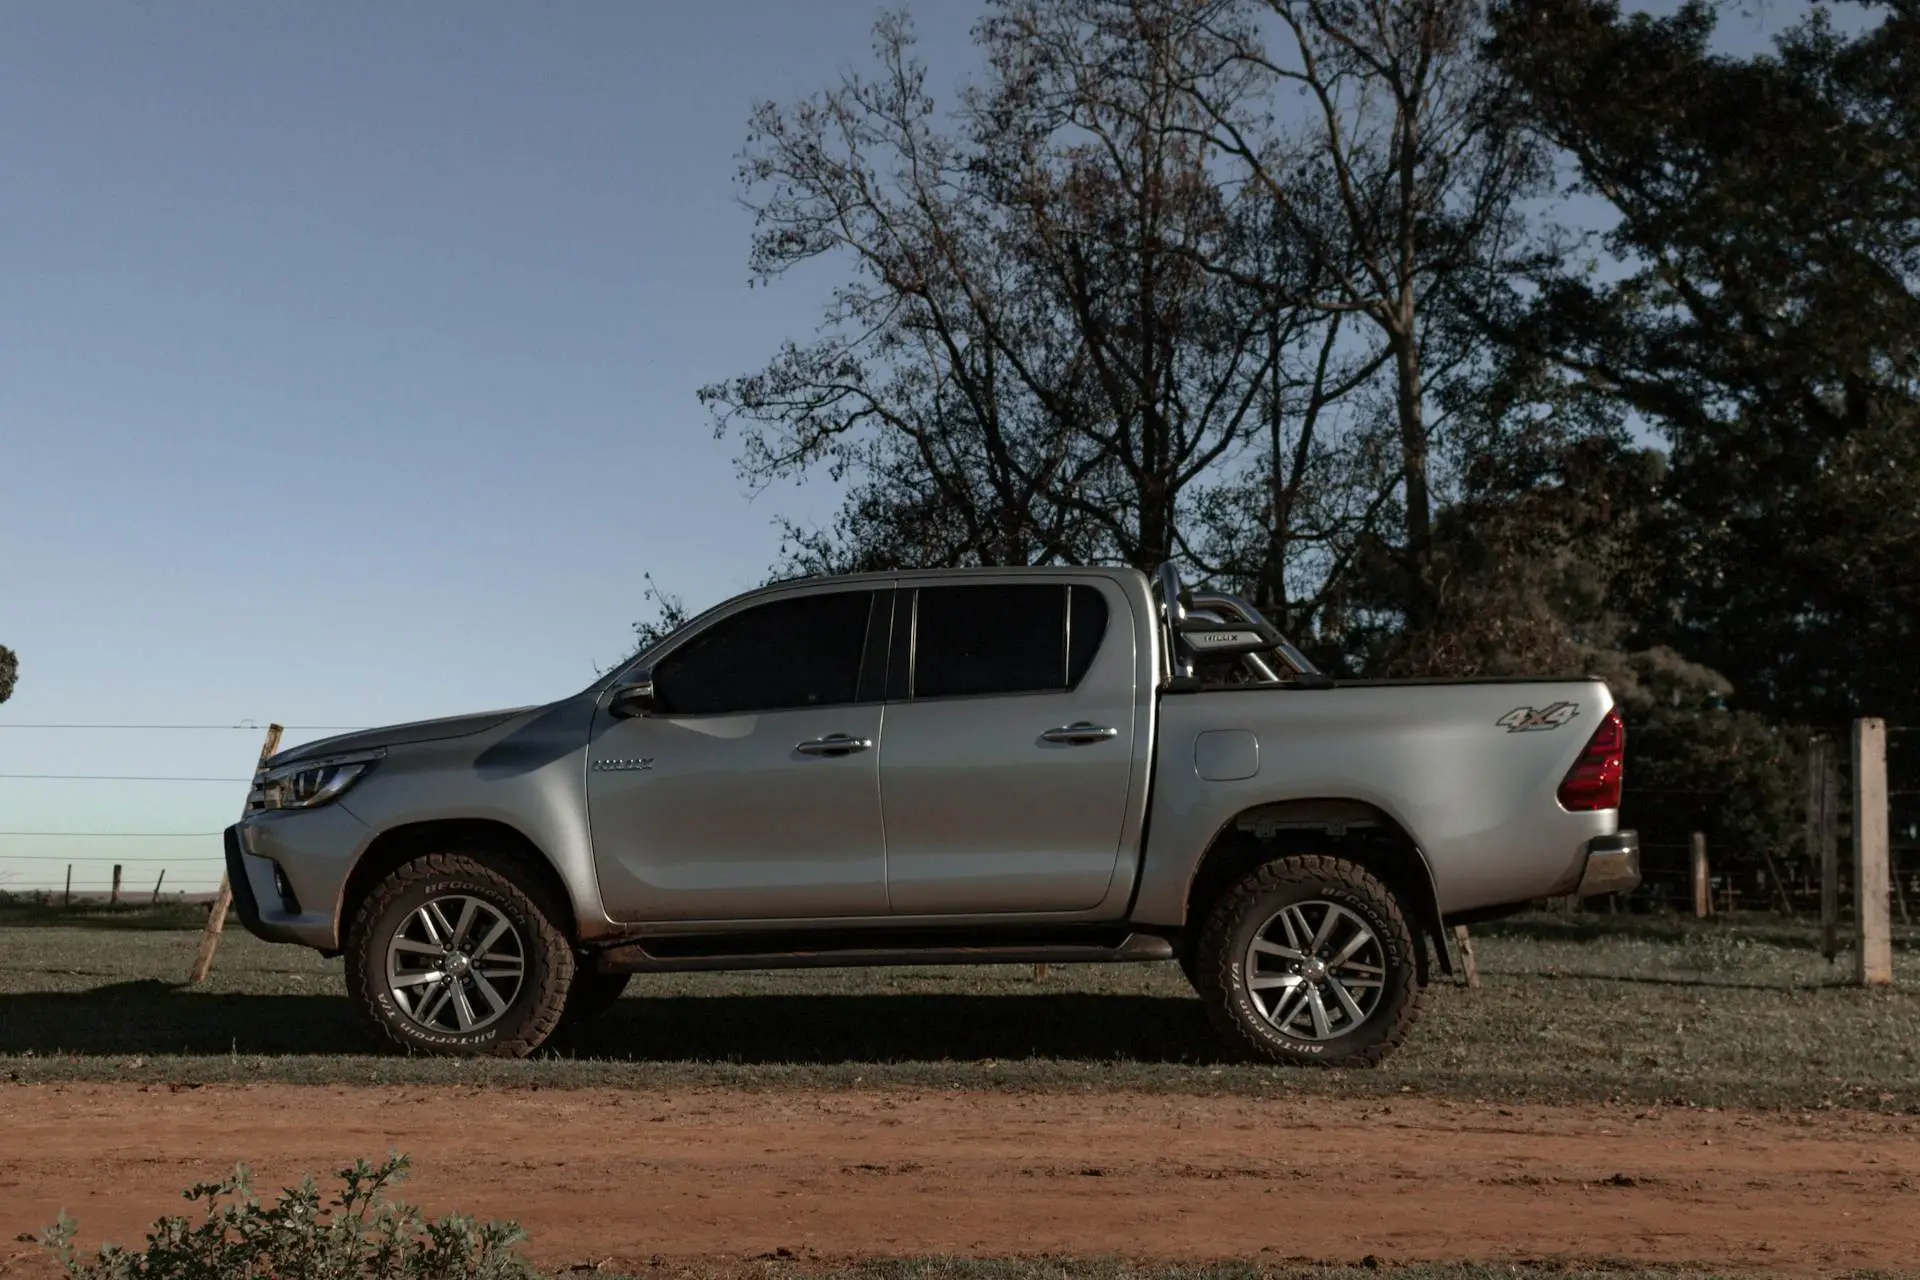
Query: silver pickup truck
[[951, 767]]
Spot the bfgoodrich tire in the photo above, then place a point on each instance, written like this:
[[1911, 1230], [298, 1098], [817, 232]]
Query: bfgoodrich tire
[[1310, 961], [460, 955]]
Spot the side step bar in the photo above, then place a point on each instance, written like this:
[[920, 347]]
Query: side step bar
[[679, 955]]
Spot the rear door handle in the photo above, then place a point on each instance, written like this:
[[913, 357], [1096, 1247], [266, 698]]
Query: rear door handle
[[834, 744], [1080, 732]]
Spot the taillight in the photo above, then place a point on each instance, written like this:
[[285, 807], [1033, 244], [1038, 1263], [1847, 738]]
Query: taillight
[[1594, 781]]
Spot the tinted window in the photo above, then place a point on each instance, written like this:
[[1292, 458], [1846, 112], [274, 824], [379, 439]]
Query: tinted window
[[1086, 626], [990, 639], [802, 652]]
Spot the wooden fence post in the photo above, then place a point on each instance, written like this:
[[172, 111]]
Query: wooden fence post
[[156, 886], [1873, 965], [1467, 964], [113, 899], [1040, 971], [1702, 887], [66, 898], [223, 897]]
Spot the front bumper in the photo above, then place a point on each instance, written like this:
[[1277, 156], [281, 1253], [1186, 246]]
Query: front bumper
[[1613, 865], [312, 851]]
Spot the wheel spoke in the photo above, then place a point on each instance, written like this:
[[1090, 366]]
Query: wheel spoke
[[1266, 982], [418, 948], [468, 910], [489, 994], [1320, 1026], [1287, 1008], [435, 924], [1295, 924], [402, 981], [485, 945], [1266, 948], [1361, 937], [1325, 931], [463, 1007], [433, 1003], [1347, 1002]]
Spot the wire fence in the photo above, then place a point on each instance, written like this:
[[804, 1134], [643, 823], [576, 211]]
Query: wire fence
[[1755, 867], [52, 860], [1777, 872]]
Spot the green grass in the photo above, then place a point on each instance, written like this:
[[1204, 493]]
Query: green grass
[[1726, 1012], [1100, 1269]]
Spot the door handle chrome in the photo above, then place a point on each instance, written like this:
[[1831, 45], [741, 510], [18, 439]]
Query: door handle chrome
[[1080, 732], [834, 744]]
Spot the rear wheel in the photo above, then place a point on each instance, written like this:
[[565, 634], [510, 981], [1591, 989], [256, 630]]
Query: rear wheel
[[460, 954], [1310, 961]]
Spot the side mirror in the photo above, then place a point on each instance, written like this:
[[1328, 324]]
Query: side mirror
[[630, 700]]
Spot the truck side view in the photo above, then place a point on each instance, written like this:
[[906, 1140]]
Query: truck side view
[[944, 767]]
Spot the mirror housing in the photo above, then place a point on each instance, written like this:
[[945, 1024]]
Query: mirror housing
[[636, 698]]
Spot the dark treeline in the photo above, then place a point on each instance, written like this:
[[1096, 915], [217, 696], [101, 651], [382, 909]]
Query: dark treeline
[[1529, 337]]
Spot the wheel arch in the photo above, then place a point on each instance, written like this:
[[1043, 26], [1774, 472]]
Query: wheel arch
[[397, 846], [1356, 830]]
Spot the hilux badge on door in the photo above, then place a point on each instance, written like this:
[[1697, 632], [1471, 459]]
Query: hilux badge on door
[[634, 765], [1526, 719]]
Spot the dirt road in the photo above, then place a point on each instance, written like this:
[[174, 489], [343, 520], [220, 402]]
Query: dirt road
[[726, 1176]]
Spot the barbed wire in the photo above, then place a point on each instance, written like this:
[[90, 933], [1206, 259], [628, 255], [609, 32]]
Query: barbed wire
[[188, 728], [112, 835], [150, 858], [113, 777]]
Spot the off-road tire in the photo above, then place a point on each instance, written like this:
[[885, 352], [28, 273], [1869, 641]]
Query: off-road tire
[[592, 994], [537, 1008], [1242, 911]]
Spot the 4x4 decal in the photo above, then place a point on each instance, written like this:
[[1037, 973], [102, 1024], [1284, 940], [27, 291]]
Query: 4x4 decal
[[1526, 719]]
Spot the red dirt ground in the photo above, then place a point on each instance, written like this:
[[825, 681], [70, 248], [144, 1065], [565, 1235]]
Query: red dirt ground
[[643, 1178]]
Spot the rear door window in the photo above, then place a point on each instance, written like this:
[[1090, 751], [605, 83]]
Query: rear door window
[[973, 641]]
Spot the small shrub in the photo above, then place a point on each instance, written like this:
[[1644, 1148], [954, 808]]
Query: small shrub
[[360, 1234]]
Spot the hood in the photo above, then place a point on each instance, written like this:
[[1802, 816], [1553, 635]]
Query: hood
[[399, 735]]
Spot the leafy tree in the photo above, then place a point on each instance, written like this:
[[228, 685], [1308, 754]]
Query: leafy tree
[[1761, 309], [1543, 573], [9, 672]]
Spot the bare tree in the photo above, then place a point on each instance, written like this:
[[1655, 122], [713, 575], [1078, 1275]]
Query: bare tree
[[1398, 184], [1056, 333]]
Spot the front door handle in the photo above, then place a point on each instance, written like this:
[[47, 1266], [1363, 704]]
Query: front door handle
[[834, 744], [1080, 732]]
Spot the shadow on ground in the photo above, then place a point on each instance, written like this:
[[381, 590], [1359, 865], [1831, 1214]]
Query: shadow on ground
[[152, 1017]]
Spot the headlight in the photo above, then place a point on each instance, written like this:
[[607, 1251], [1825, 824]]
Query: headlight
[[307, 784]]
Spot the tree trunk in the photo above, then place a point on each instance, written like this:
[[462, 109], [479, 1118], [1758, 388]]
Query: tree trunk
[[1413, 453]]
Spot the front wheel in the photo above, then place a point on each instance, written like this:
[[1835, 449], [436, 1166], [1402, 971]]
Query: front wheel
[[1310, 961], [460, 954]]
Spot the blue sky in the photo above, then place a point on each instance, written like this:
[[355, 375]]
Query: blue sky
[[347, 366]]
